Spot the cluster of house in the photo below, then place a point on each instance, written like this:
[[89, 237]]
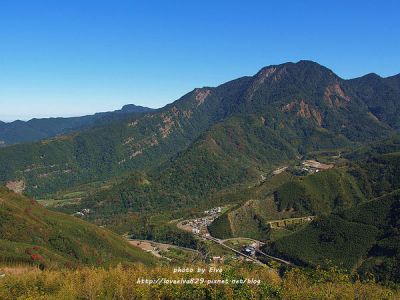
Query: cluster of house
[[313, 166], [83, 212], [199, 225], [213, 211]]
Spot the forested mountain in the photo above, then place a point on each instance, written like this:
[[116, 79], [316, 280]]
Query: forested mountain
[[39, 129], [306, 106], [381, 96], [365, 237], [31, 234], [239, 150]]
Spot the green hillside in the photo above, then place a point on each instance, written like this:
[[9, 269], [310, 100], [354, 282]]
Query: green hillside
[[329, 240], [238, 151], [365, 173], [320, 193], [289, 196], [30, 234], [372, 87], [249, 218], [365, 237]]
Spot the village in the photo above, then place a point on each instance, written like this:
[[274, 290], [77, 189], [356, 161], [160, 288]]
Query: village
[[199, 226], [243, 249]]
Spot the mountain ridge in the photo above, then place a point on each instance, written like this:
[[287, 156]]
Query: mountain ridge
[[41, 128], [306, 104]]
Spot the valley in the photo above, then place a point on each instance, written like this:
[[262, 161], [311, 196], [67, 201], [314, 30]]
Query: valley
[[293, 168]]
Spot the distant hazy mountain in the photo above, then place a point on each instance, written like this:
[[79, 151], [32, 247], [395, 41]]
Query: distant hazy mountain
[[39, 129]]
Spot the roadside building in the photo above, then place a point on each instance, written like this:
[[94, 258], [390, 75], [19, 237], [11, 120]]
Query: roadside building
[[249, 250]]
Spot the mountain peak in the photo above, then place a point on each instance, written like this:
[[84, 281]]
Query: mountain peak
[[134, 108], [371, 76], [294, 68]]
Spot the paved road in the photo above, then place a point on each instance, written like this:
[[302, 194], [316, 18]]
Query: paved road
[[244, 238], [220, 242], [277, 259]]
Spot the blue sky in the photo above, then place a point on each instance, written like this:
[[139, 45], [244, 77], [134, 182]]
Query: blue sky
[[64, 58]]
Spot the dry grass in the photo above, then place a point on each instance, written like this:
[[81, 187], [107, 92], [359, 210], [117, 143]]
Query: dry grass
[[121, 283]]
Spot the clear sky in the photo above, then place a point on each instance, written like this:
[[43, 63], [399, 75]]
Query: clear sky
[[74, 57]]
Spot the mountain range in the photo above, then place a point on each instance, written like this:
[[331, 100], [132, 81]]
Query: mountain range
[[38, 129], [298, 107], [221, 146]]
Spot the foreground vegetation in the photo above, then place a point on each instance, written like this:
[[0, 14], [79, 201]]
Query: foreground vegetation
[[122, 283], [31, 234]]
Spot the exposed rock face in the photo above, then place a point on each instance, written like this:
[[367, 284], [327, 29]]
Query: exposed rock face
[[334, 96], [175, 111], [133, 124], [17, 186], [154, 141], [373, 117], [272, 73], [136, 153], [128, 140], [201, 96], [317, 116], [187, 113], [167, 128], [264, 74], [304, 110], [289, 107]]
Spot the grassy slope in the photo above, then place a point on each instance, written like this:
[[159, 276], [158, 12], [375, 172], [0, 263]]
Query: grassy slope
[[31, 234]]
